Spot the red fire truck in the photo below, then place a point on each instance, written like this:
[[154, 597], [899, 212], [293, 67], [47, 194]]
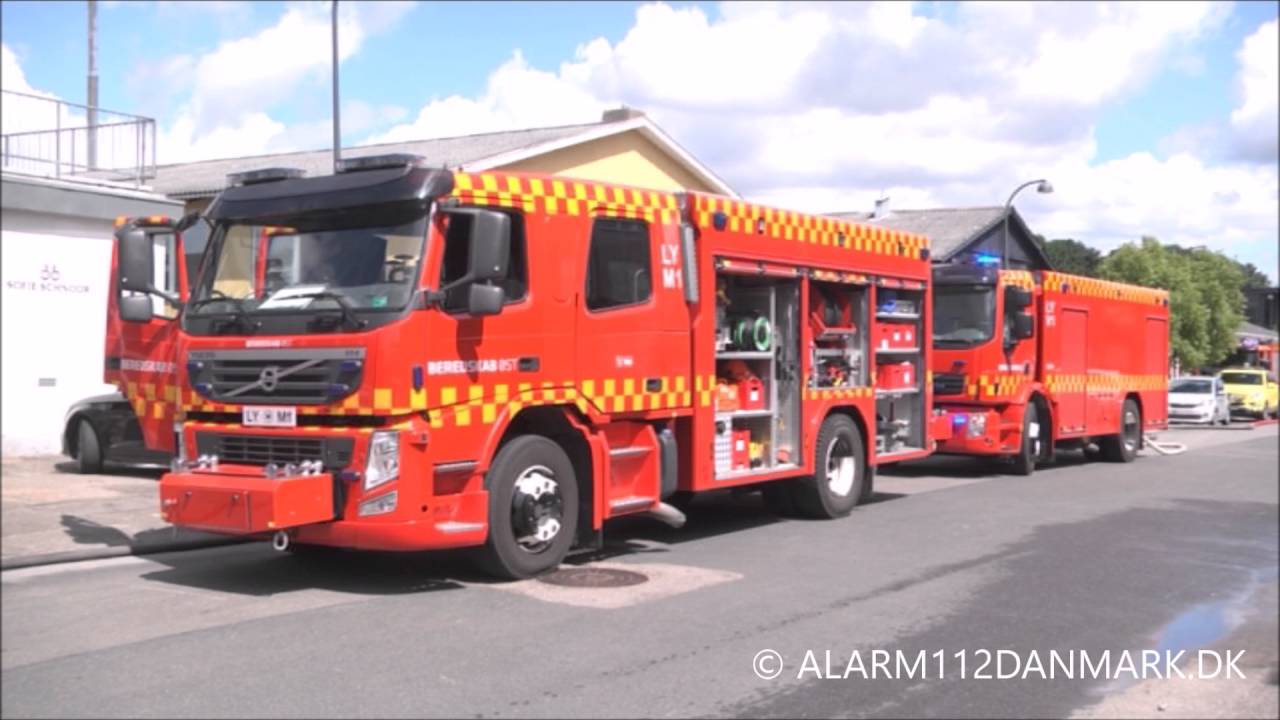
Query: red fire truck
[[400, 357], [1026, 362]]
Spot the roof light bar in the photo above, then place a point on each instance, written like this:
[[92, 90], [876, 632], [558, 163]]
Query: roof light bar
[[265, 175], [380, 162]]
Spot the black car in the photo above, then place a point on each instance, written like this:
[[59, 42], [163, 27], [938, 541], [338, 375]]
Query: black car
[[103, 428]]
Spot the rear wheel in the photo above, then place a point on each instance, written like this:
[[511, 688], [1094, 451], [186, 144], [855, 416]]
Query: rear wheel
[[840, 463], [533, 509], [1124, 446], [88, 449]]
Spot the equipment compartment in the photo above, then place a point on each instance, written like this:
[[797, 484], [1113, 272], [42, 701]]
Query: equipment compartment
[[899, 369], [757, 392], [837, 322]]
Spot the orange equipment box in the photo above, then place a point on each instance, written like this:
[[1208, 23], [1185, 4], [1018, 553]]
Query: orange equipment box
[[751, 394], [895, 336], [895, 376], [741, 449], [245, 502]]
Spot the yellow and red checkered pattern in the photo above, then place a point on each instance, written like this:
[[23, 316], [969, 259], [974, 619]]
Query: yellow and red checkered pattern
[[1093, 287], [848, 393], [1018, 278], [745, 217], [1104, 383], [999, 385], [480, 403], [152, 400], [556, 196]]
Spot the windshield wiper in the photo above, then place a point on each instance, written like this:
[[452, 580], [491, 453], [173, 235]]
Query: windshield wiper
[[344, 305], [239, 314]]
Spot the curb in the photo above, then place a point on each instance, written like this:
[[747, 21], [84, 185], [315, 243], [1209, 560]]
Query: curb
[[111, 551]]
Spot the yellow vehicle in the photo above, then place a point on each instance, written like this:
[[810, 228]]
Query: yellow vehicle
[[1252, 391]]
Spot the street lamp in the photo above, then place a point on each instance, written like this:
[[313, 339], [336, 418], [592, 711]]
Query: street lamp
[[1043, 187]]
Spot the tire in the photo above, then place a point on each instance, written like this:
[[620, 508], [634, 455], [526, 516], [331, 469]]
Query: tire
[[532, 489], [1123, 447], [840, 472], [1024, 463], [88, 449]]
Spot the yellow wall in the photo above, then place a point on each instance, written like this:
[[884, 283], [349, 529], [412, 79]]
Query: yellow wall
[[627, 158]]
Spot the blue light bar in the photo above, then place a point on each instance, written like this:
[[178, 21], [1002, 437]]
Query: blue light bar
[[986, 259]]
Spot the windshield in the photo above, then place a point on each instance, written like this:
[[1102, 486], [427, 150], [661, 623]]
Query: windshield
[[1196, 387], [1238, 378], [270, 268], [963, 315]]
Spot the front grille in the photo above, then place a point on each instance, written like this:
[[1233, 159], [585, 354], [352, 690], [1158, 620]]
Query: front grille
[[948, 384], [334, 453], [277, 377]]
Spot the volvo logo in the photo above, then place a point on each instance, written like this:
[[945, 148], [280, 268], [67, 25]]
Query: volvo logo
[[269, 378]]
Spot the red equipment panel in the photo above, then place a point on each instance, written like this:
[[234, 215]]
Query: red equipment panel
[[242, 503]]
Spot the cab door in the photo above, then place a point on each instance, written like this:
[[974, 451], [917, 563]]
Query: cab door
[[141, 356], [631, 349]]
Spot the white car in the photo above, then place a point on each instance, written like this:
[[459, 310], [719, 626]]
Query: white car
[[1198, 399]]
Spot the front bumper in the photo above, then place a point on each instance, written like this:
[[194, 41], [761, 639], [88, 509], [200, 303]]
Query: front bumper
[[975, 431], [1191, 415], [433, 509]]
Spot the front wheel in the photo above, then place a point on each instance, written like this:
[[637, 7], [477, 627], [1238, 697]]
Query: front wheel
[[533, 509], [88, 449], [840, 464], [1123, 447], [1024, 463]]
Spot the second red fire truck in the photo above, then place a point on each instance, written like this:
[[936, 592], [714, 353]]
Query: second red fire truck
[[401, 357]]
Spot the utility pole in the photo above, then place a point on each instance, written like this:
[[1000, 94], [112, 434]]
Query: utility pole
[[337, 131], [93, 88]]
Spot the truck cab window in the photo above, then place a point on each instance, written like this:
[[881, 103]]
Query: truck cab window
[[618, 266], [457, 254]]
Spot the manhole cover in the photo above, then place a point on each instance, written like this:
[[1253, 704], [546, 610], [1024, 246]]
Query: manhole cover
[[592, 577]]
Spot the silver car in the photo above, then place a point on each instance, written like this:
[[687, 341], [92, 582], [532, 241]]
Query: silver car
[[1198, 399]]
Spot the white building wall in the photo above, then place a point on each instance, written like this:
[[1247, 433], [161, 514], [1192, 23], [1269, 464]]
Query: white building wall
[[54, 297], [54, 277]]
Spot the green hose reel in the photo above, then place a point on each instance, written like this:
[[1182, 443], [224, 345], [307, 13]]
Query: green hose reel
[[753, 333]]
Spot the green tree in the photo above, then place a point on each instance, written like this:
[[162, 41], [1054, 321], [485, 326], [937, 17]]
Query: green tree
[[1072, 256], [1205, 298]]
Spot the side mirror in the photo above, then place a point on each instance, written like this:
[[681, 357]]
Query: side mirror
[[490, 245], [1016, 298], [136, 261], [135, 308], [484, 300], [1024, 326]]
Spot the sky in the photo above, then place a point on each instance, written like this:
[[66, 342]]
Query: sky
[[1148, 118]]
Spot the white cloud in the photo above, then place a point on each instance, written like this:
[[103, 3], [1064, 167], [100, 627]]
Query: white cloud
[[824, 107], [1255, 120], [234, 87]]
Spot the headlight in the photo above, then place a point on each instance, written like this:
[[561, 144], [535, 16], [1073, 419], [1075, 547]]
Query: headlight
[[977, 425], [384, 459], [380, 505]]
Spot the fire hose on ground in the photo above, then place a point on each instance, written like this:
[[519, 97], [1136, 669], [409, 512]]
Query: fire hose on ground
[[1164, 448]]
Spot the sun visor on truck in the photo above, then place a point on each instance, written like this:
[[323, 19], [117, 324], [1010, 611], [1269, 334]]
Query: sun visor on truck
[[388, 187]]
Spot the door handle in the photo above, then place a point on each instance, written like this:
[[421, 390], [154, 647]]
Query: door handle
[[653, 384]]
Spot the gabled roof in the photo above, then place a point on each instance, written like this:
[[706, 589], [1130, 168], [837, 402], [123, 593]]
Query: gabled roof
[[950, 230], [482, 151], [1248, 329]]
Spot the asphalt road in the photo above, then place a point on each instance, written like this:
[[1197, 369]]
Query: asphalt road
[[1166, 552]]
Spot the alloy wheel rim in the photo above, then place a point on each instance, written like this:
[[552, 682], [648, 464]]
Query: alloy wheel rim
[[841, 467], [537, 509]]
